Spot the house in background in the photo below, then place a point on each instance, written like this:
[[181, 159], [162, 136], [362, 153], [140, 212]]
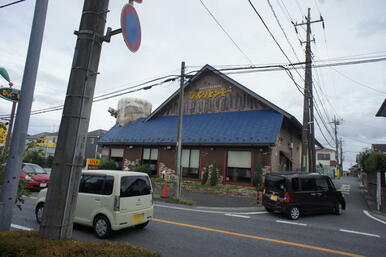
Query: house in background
[[224, 123], [382, 110], [381, 148], [326, 161], [92, 148], [46, 141]]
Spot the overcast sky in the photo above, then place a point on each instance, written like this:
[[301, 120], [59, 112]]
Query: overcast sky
[[175, 31]]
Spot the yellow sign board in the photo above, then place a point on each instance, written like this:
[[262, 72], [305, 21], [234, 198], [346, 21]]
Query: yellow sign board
[[209, 93], [93, 164], [3, 133]]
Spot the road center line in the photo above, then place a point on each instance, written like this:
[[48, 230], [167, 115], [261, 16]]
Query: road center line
[[236, 215], [360, 233], [259, 238], [290, 222], [371, 216], [20, 227]]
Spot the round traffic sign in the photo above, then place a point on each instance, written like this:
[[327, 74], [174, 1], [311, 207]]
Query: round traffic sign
[[131, 28]]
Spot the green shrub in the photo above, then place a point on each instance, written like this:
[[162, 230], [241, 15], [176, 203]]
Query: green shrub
[[257, 177], [205, 176], [109, 165], [28, 243], [143, 168], [213, 174]]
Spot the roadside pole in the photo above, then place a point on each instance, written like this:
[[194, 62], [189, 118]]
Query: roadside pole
[[15, 158], [10, 126], [62, 193], [179, 133]]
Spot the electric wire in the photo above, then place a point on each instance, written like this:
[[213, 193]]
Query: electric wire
[[229, 36], [357, 82], [9, 4], [282, 29], [281, 49]]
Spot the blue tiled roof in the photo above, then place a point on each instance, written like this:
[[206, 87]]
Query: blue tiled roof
[[246, 127]]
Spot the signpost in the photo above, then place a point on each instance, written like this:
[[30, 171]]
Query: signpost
[[131, 28]]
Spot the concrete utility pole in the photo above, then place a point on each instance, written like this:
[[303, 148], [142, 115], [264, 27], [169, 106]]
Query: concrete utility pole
[[15, 158], [62, 193], [308, 161], [336, 123], [179, 133], [341, 154]]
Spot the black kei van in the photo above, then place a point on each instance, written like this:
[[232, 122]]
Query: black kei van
[[294, 194]]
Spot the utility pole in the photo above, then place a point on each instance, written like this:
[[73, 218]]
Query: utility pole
[[61, 197], [15, 157], [179, 133], [308, 161], [341, 154], [336, 123], [10, 126]]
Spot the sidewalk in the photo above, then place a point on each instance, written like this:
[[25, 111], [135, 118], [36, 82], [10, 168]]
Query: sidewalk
[[372, 205]]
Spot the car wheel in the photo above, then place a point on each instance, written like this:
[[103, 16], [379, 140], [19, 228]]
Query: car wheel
[[269, 209], [294, 213], [102, 227], [338, 208], [39, 212], [143, 225]]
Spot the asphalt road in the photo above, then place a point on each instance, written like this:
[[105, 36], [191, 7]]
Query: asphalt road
[[178, 230]]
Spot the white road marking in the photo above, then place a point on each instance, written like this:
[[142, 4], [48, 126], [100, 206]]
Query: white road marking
[[371, 216], [360, 233], [20, 227], [206, 211], [345, 189], [251, 213], [236, 215], [292, 223]]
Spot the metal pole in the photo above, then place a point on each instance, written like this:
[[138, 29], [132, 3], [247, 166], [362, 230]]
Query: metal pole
[[15, 158], [179, 133], [10, 126], [62, 193]]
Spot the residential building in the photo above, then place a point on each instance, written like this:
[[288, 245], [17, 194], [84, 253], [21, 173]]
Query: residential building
[[92, 148], [224, 124], [325, 157], [379, 148], [46, 141]]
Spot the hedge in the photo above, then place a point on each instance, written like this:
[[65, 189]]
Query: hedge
[[28, 243]]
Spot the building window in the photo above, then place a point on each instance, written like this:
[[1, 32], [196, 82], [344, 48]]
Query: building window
[[150, 157], [324, 156], [117, 155], [239, 166], [190, 159]]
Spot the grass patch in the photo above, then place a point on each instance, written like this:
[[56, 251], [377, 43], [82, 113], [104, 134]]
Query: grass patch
[[175, 200], [28, 243]]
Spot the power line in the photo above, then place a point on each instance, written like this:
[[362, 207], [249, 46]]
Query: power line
[[16, 2], [223, 29], [357, 82], [277, 43], [282, 29]]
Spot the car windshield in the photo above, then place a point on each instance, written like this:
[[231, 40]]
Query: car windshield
[[33, 169]]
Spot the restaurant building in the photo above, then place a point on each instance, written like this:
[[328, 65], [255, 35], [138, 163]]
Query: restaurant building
[[224, 124]]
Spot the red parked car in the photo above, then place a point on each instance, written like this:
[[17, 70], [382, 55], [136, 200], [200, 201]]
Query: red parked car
[[35, 176]]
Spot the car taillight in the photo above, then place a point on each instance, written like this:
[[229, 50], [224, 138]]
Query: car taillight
[[287, 198], [116, 203]]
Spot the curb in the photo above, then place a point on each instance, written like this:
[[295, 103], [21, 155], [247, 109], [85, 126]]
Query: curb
[[371, 205]]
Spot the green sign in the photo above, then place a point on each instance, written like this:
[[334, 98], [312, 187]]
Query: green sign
[[10, 94], [4, 74]]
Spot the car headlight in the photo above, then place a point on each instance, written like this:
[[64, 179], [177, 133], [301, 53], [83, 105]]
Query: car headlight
[[27, 177]]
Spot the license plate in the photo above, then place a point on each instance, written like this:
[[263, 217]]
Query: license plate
[[43, 184], [137, 218], [273, 197]]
